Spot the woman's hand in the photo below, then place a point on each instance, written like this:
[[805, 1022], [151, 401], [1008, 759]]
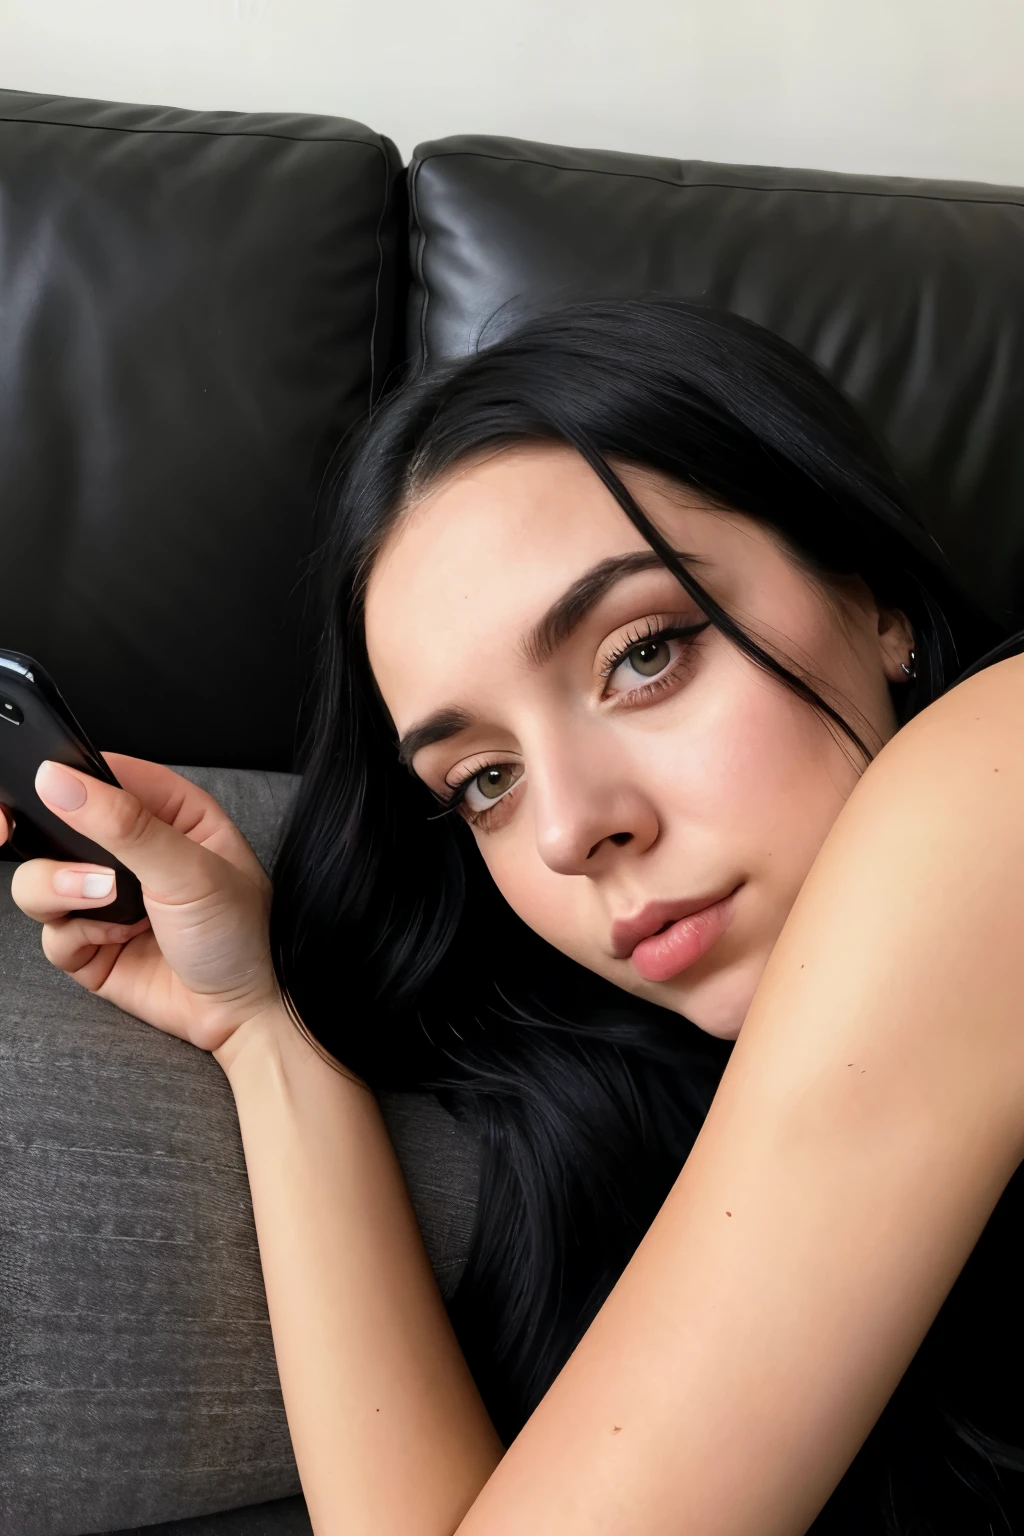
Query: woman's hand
[[198, 966]]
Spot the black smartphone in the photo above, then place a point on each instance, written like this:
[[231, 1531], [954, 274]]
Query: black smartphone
[[35, 725]]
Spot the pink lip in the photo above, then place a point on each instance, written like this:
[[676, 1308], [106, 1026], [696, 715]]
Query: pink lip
[[695, 926]]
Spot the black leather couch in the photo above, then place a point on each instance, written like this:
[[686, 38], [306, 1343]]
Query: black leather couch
[[194, 309]]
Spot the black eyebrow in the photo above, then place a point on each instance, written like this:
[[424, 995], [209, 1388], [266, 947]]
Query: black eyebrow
[[436, 727], [568, 612], [558, 624]]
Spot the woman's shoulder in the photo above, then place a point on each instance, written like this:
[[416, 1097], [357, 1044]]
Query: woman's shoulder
[[963, 754], [915, 895], [1013, 645]]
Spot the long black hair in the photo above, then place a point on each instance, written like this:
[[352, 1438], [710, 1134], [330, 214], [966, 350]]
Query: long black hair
[[402, 960]]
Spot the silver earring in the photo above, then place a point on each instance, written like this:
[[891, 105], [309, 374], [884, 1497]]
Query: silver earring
[[911, 671]]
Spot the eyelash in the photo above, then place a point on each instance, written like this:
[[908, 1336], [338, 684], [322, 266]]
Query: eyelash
[[653, 632]]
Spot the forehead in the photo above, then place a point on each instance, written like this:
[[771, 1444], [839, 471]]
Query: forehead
[[471, 567]]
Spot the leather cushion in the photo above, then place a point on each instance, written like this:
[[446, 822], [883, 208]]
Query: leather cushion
[[194, 306], [908, 293]]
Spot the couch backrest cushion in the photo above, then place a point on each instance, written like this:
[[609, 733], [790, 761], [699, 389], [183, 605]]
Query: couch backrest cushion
[[909, 294], [194, 306]]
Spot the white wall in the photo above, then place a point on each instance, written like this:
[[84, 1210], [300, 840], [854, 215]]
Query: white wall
[[911, 87]]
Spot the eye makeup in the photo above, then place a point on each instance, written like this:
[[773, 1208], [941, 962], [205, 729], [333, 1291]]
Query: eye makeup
[[644, 632], [648, 635]]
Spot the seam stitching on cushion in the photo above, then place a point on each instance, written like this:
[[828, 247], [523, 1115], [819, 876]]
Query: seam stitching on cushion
[[202, 133], [421, 241], [724, 186], [376, 285]]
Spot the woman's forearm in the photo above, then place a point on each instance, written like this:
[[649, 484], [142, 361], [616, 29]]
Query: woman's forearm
[[389, 1432]]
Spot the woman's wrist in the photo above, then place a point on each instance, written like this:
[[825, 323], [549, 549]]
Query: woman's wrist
[[273, 1034], [265, 1031]]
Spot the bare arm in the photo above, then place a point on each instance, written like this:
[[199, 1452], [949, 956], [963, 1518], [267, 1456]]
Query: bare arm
[[389, 1433], [870, 1116]]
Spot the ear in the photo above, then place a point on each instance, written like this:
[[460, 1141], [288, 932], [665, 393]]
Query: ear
[[894, 634], [896, 641]]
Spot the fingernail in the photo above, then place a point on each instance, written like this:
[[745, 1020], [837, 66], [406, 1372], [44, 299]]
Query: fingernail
[[74, 882], [61, 788]]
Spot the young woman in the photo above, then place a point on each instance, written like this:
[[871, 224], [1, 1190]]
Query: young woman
[[664, 813]]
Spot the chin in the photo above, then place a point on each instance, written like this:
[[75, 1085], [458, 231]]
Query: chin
[[717, 1005], [727, 1030]]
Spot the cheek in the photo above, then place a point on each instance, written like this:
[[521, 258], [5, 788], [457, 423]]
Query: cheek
[[534, 891], [739, 770], [746, 785], [782, 780]]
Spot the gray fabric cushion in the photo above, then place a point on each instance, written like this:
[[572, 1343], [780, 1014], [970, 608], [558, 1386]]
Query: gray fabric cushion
[[283, 1517], [138, 1382]]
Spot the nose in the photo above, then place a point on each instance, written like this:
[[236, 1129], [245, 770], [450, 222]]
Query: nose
[[589, 810]]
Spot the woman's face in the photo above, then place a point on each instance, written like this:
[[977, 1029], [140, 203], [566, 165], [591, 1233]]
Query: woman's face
[[616, 776]]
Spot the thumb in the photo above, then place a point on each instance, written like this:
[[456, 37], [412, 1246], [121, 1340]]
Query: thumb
[[169, 866]]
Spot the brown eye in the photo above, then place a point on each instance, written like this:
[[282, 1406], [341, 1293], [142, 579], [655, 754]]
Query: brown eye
[[488, 786], [650, 658], [493, 782]]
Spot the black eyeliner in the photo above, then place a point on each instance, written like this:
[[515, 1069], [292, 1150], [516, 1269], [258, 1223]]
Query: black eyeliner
[[669, 632], [453, 800]]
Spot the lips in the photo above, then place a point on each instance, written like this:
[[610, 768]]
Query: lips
[[627, 933]]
